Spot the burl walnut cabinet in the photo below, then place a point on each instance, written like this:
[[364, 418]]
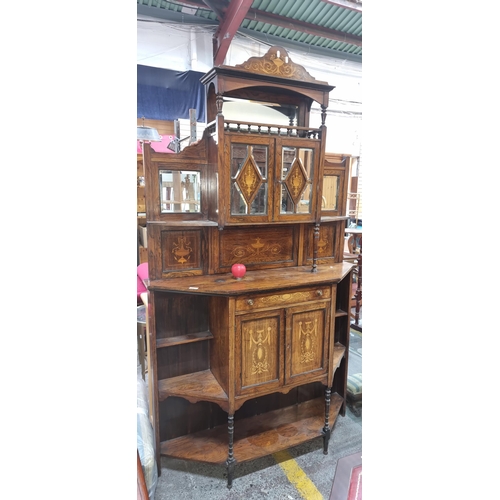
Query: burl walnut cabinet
[[243, 368]]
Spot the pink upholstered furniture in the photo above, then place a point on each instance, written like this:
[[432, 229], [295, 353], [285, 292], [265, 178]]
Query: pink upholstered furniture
[[142, 276]]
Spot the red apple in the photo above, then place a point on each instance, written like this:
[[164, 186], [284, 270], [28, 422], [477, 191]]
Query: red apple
[[238, 270]]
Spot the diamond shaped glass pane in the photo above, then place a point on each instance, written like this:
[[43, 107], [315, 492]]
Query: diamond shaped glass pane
[[296, 180], [249, 180]]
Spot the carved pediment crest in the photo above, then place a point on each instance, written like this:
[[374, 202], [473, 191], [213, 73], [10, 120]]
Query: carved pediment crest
[[277, 62]]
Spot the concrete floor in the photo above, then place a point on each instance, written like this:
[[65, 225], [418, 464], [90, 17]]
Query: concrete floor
[[265, 478]]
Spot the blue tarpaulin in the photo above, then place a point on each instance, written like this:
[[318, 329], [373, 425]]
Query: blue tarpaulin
[[164, 94]]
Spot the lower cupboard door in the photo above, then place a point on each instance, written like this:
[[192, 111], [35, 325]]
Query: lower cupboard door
[[307, 338], [260, 351]]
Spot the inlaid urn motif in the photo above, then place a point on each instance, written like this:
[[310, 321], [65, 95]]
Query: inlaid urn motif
[[182, 250]]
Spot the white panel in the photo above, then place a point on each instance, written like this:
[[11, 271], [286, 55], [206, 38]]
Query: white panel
[[169, 46]]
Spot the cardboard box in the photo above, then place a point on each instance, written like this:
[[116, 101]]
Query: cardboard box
[[143, 236], [143, 254]]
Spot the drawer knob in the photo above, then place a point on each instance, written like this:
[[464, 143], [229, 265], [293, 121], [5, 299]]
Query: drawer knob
[[250, 302], [319, 293]]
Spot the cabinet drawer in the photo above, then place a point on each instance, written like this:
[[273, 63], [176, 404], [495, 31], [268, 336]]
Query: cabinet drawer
[[282, 299]]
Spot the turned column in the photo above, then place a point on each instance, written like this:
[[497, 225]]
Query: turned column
[[315, 248], [326, 429], [230, 462]]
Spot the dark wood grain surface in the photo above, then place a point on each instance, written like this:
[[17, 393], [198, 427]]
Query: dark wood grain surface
[[258, 436], [255, 281]]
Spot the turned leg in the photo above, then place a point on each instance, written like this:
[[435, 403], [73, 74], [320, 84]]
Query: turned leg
[[326, 428], [230, 457], [359, 289]]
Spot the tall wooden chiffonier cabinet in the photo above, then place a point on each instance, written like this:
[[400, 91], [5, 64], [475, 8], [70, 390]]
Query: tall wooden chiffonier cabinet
[[243, 368]]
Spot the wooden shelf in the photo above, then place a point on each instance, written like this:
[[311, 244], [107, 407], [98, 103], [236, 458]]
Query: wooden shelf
[[184, 223], [183, 339], [203, 386], [333, 218], [257, 436], [197, 386], [338, 354], [340, 312]]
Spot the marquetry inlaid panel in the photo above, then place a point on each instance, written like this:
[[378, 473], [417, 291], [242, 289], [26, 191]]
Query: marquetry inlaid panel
[[256, 247], [260, 349], [307, 341], [328, 242], [282, 299], [181, 250]]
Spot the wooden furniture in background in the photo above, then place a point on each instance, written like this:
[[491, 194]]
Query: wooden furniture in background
[[355, 255], [142, 489], [341, 488], [244, 368], [354, 207]]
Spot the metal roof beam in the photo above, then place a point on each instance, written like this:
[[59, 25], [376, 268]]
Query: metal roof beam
[[345, 4], [303, 48], [170, 15], [228, 27], [212, 5], [310, 29]]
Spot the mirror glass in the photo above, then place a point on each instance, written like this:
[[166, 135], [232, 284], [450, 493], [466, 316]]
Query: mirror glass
[[330, 192], [260, 112], [179, 191]]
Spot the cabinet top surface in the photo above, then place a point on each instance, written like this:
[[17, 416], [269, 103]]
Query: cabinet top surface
[[254, 281]]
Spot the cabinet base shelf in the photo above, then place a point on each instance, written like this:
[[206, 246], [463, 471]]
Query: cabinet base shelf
[[198, 386], [258, 436]]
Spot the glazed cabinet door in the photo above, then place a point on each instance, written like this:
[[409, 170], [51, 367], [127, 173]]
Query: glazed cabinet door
[[307, 336], [334, 185], [260, 349], [295, 195], [251, 163], [272, 179]]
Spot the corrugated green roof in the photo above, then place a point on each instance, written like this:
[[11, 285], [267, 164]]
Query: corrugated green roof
[[324, 26]]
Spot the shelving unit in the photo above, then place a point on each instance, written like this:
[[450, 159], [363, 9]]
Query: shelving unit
[[244, 368]]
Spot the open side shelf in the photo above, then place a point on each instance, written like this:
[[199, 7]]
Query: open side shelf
[[197, 386], [258, 436], [183, 339], [338, 354], [203, 386]]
